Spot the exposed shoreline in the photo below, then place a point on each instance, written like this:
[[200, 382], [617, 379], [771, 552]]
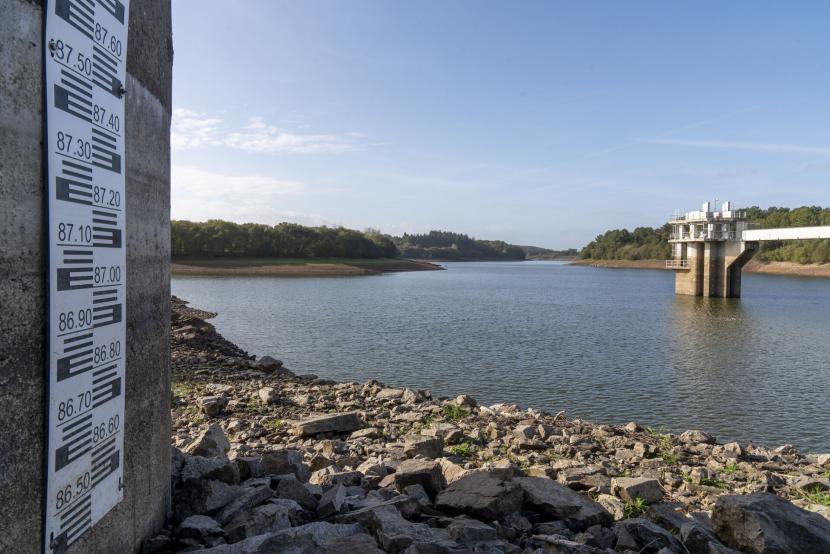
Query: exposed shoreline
[[297, 267], [791, 269], [398, 467]]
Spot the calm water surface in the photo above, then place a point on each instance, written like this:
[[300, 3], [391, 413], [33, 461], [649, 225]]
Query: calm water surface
[[611, 345]]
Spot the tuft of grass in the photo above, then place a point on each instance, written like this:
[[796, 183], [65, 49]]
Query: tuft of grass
[[635, 508], [815, 496], [827, 474], [273, 424], [666, 454], [465, 449], [454, 412], [730, 468], [687, 477], [423, 424], [710, 482]]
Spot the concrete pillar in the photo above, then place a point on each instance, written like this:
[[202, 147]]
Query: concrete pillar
[[23, 286], [714, 268]]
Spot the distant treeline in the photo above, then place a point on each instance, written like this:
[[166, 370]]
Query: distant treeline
[[455, 246], [646, 243], [216, 238]]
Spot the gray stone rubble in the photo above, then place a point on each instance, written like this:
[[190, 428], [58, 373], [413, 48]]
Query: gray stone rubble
[[267, 461]]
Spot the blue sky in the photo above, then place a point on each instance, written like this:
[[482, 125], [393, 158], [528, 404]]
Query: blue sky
[[538, 123]]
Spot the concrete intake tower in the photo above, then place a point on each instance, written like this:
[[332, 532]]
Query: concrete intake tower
[[709, 248]]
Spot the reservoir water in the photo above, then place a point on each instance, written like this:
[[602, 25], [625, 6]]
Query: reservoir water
[[610, 345]]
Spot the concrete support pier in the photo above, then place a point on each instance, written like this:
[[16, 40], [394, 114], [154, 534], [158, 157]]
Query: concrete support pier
[[23, 285]]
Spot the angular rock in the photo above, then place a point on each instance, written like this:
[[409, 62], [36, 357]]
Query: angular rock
[[557, 501], [670, 516], [253, 497], [267, 363], [274, 516], [699, 540], [203, 496], [201, 528], [212, 406], [331, 423], [393, 532], [694, 436], [468, 530], [643, 537], [210, 443], [425, 447], [331, 501], [319, 537], [220, 469], [426, 473], [482, 495], [557, 544], [283, 461], [291, 488], [326, 478], [268, 395], [764, 523], [631, 488]]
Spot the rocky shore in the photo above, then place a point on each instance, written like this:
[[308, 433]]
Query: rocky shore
[[267, 461]]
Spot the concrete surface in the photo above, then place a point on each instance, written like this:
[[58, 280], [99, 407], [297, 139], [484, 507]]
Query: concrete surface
[[22, 283]]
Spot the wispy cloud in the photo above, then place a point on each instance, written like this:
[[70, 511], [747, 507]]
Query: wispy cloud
[[199, 195], [732, 145], [192, 129]]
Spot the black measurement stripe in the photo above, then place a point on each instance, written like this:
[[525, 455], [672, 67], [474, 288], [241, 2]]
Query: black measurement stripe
[[73, 70], [78, 252], [77, 84], [74, 418], [71, 437], [103, 292], [106, 58], [73, 158], [104, 449], [99, 366], [76, 339], [105, 286], [78, 422], [69, 510], [88, 170], [101, 378], [75, 331], [77, 347]]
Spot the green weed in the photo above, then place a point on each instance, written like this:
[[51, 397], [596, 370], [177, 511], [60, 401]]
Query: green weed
[[711, 482], [635, 508], [730, 468], [454, 412], [816, 496], [273, 424], [465, 449]]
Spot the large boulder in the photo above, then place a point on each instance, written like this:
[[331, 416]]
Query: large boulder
[[426, 473], [631, 488], [763, 523], [425, 447], [319, 537], [559, 502], [274, 516], [283, 461], [392, 531], [644, 537], [483, 495], [210, 443], [330, 423]]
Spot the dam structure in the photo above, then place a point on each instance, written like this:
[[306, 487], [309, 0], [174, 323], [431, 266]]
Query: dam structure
[[710, 248]]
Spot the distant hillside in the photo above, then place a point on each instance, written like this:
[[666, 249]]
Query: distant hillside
[[223, 239], [537, 253], [647, 243], [445, 245]]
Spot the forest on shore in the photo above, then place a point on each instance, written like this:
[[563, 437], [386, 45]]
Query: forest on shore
[[223, 239], [650, 243]]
